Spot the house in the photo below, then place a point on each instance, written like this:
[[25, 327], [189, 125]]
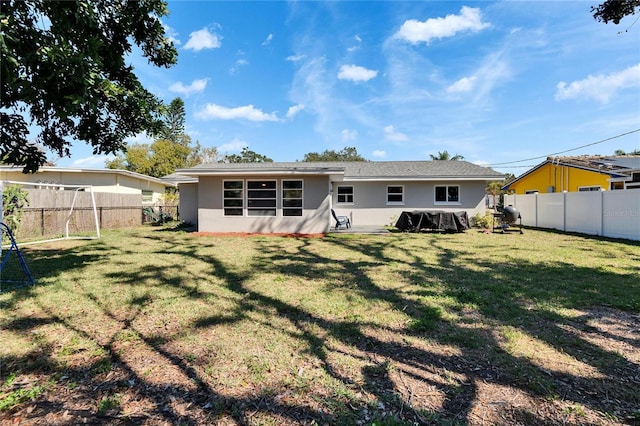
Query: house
[[150, 189], [580, 173], [297, 197]]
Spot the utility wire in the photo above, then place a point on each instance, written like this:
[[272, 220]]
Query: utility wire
[[567, 150]]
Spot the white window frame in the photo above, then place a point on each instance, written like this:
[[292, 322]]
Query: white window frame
[[242, 198], [395, 203], [282, 195], [248, 199], [347, 196], [447, 201]]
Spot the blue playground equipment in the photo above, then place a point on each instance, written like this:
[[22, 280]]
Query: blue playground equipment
[[27, 278]]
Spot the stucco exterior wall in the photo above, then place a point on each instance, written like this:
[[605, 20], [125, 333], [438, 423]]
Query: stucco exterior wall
[[189, 203], [370, 200], [561, 178], [316, 214]]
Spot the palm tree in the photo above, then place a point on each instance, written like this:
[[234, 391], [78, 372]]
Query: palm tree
[[444, 155]]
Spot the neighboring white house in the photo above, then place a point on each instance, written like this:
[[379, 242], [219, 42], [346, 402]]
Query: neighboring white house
[[150, 189], [297, 197]]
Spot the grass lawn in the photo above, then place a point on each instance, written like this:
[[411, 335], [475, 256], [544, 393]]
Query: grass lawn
[[158, 326]]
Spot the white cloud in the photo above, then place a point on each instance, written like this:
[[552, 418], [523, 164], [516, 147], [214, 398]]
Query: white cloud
[[196, 86], [295, 58], [203, 39], [469, 19], [267, 41], [379, 154], [247, 112], [463, 85], [171, 34], [599, 87], [294, 110], [349, 135], [358, 41], [235, 145], [140, 138], [391, 134], [236, 66], [356, 73], [93, 161]]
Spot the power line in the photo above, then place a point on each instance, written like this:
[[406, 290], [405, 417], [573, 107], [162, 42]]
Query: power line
[[567, 150]]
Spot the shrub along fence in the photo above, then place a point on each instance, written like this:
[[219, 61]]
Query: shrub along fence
[[614, 214]]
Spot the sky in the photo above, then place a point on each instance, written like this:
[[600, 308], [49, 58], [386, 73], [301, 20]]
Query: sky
[[504, 84]]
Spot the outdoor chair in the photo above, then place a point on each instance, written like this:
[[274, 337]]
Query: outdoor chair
[[341, 220]]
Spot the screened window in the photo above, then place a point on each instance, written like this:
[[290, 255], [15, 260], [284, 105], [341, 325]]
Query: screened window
[[261, 197], [291, 198], [447, 194], [233, 197], [395, 194], [345, 194]]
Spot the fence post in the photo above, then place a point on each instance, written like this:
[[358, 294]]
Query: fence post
[[564, 211], [42, 222]]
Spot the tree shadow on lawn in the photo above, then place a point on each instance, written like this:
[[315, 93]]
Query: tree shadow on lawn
[[455, 332], [508, 297]]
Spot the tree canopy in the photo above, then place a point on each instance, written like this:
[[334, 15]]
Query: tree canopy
[[348, 153], [172, 150], [174, 118], [63, 69], [246, 156], [615, 10], [444, 155]]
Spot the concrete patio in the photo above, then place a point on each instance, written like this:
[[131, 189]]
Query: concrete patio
[[362, 229]]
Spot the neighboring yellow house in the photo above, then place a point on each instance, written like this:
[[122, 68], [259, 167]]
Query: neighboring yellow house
[[583, 173], [103, 180]]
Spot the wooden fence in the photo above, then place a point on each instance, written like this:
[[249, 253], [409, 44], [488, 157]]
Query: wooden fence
[[49, 210]]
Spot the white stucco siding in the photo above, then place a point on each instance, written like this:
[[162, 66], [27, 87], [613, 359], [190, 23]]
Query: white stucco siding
[[315, 213], [370, 206]]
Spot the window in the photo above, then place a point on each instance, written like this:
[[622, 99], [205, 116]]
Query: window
[[291, 198], [233, 197], [531, 191], [589, 188], [345, 194], [395, 194], [261, 198], [447, 194], [147, 196]]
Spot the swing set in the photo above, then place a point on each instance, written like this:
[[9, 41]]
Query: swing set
[[27, 278]]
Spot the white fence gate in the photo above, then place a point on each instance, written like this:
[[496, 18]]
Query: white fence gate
[[614, 214]]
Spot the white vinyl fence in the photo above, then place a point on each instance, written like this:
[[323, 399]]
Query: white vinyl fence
[[614, 214]]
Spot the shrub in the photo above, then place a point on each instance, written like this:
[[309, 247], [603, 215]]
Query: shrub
[[14, 199], [483, 220]]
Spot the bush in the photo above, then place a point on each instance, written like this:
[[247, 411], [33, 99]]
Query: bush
[[14, 199], [483, 220]]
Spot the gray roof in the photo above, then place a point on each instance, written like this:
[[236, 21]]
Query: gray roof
[[356, 170]]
